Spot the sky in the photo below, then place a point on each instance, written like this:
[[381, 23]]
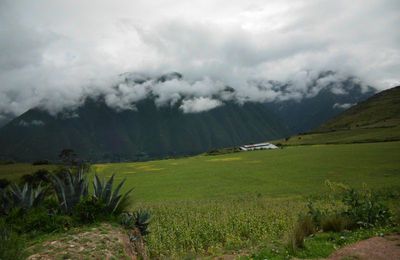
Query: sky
[[54, 54]]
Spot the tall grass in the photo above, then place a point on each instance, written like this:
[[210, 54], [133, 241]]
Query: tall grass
[[180, 229]]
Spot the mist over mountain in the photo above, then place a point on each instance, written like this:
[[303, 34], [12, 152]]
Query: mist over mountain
[[142, 117], [307, 114]]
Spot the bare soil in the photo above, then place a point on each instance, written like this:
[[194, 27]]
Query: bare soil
[[103, 242], [376, 248]]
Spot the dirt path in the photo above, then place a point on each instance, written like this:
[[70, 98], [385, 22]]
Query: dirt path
[[102, 242], [376, 248]]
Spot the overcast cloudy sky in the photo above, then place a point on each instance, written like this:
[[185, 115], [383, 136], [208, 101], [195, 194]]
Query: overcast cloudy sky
[[53, 53]]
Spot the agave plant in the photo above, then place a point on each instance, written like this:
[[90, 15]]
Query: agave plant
[[70, 189], [25, 198], [113, 200], [138, 219]]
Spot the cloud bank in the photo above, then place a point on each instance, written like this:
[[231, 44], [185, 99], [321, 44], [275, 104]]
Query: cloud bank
[[55, 54]]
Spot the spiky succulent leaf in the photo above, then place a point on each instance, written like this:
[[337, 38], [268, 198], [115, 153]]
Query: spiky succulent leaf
[[70, 189], [27, 197], [113, 200]]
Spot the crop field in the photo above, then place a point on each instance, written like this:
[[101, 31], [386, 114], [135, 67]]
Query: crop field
[[289, 172], [241, 202]]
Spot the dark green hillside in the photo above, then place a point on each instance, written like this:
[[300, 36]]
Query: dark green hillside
[[375, 120], [99, 133], [381, 110]]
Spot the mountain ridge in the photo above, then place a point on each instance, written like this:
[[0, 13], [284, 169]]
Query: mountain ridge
[[100, 133]]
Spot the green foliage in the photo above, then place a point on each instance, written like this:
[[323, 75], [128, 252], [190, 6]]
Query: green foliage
[[396, 219], [89, 210], [25, 198], [207, 227], [70, 189], [4, 183], [113, 200], [139, 220], [359, 208], [37, 221], [364, 208], [41, 162], [223, 151], [303, 228], [335, 223], [315, 213], [5, 202], [11, 245]]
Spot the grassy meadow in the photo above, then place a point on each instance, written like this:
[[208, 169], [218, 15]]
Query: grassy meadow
[[346, 136], [16, 170], [241, 203], [289, 172]]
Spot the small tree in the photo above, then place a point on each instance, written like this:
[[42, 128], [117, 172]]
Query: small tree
[[68, 157]]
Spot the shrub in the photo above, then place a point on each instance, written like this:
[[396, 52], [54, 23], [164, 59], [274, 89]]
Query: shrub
[[315, 213], [5, 202], [38, 220], [89, 210], [304, 227], [396, 214], [41, 162], [335, 223], [4, 183], [365, 209], [307, 226], [11, 245]]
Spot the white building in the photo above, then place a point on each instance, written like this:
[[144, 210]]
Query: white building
[[260, 146]]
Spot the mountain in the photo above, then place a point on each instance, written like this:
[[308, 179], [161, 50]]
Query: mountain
[[376, 119], [308, 113], [99, 133]]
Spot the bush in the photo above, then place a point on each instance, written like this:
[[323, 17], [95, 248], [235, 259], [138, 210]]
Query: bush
[[365, 209], [38, 220], [11, 245], [396, 219], [4, 183], [89, 210], [304, 227], [315, 213], [41, 162], [358, 208], [335, 223]]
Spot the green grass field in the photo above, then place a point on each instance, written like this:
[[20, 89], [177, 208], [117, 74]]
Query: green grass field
[[16, 170], [346, 136], [288, 172], [292, 171]]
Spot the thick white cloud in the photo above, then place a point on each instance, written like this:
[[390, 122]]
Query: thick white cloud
[[56, 53], [199, 104]]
